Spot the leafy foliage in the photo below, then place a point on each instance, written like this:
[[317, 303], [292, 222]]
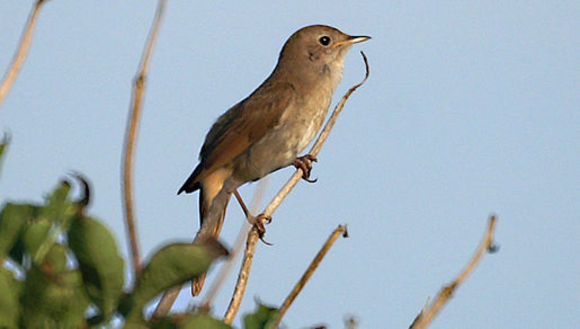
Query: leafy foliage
[[173, 264], [261, 318], [58, 263], [99, 262]]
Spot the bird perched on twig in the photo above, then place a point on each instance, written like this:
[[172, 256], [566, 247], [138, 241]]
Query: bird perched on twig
[[267, 130]]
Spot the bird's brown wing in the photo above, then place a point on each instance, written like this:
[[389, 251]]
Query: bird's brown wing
[[243, 125]]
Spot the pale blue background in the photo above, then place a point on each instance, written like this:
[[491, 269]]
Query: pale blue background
[[471, 108]]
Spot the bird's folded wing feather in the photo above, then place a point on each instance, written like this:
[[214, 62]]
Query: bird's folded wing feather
[[243, 125]]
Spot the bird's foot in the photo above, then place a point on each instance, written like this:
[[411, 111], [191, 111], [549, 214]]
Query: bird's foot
[[259, 222], [305, 163]]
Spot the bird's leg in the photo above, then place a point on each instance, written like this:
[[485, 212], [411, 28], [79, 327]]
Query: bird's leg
[[242, 204], [258, 221], [305, 163]]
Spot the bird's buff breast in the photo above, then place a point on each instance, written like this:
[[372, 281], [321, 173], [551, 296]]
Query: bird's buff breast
[[304, 121], [280, 146]]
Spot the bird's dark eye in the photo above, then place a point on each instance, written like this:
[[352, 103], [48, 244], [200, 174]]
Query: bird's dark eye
[[325, 41]]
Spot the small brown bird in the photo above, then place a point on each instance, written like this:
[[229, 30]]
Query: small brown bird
[[267, 130]]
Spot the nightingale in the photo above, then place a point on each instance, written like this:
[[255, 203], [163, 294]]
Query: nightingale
[[268, 129]]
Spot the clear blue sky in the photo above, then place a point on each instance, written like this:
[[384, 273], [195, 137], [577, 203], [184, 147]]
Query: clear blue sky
[[471, 108]]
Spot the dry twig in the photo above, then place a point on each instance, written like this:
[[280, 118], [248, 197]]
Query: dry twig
[[21, 52], [243, 275], [278, 198], [429, 312], [131, 133], [166, 302], [340, 230]]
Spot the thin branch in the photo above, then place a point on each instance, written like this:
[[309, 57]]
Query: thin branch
[[428, 314], [21, 52], [420, 315], [278, 198], [243, 275], [166, 302], [131, 133], [340, 230]]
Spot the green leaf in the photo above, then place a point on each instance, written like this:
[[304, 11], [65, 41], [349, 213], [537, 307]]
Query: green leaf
[[3, 146], [138, 323], [9, 303], [99, 262], [53, 296], [204, 321], [56, 260], [190, 321], [172, 265], [17, 252], [58, 208], [12, 220], [261, 318], [35, 235]]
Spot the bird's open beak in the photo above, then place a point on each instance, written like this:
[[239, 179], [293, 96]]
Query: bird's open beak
[[352, 40]]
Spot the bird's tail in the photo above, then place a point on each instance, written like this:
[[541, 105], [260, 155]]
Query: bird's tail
[[212, 213]]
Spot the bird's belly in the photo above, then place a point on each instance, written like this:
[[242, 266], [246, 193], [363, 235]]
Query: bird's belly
[[305, 124], [308, 135], [278, 148]]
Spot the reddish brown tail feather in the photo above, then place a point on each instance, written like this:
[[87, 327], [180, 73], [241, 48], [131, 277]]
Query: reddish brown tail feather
[[204, 205]]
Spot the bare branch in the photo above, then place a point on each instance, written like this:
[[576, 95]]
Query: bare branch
[[340, 230], [253, 235], [166, 302], [243, 275], [131, 133], [420, 315], [428, 314], [21, 52]]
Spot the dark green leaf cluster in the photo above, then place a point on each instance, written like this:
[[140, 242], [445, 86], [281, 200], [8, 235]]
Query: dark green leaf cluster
[[261, 318], [40, 286], [60, 268]]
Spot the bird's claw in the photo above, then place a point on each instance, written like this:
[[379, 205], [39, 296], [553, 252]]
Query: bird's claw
[[259, 222], [305, 164]]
